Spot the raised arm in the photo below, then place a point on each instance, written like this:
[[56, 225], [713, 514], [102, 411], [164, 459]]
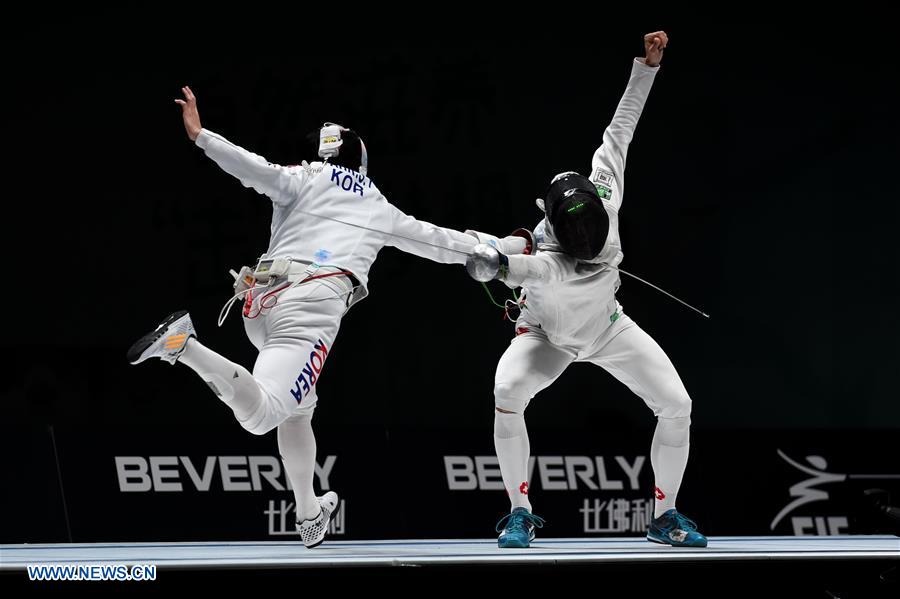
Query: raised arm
[[609, 159], [280, 183]]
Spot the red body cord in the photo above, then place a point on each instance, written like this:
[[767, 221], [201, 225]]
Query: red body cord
[[249, 302]]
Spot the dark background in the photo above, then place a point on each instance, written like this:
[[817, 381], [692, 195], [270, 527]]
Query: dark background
[[761, 187]]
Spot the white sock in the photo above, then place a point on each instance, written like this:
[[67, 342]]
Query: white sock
[[231, 382], [668, 456], [297, 445], [513, 450]]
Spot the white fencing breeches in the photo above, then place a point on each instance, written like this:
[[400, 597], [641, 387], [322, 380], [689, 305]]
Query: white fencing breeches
[[531, 363], [294, 331], [293, 338]]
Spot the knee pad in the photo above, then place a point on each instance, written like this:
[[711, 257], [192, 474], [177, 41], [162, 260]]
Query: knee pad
[[677, 406], [510, 397], [259, 423], [266, 417], [674, 432], [299, 415]]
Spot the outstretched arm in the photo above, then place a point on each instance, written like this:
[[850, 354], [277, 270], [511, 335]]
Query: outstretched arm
[[609, 159], [486, 263], [281, 184], [444, 245], [426, 240]]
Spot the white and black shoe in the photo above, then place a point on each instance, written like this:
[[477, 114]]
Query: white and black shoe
[[166, 342], [312, 532]]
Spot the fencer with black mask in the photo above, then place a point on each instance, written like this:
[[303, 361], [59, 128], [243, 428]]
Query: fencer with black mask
[[570, 314]]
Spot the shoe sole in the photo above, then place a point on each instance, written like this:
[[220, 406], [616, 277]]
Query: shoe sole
[[513, 545], [140, 346], [337, 508], [658, 542]]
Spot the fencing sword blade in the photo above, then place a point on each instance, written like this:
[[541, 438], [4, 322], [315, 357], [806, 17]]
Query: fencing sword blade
[[662, 291]]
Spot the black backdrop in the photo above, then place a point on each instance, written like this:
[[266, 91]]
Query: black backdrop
[[761, 186]]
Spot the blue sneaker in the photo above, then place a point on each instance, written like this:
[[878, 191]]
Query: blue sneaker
[[674, 529], [519, 528]]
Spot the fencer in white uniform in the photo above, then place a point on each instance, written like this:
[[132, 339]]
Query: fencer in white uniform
[[570, 314], [329, 222]]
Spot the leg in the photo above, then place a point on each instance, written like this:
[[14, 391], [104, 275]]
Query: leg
[[231, 382], [531, 363], [297, 446], [175, 340], [283, 378], [299, 335], [293, 336], [635, 359]]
